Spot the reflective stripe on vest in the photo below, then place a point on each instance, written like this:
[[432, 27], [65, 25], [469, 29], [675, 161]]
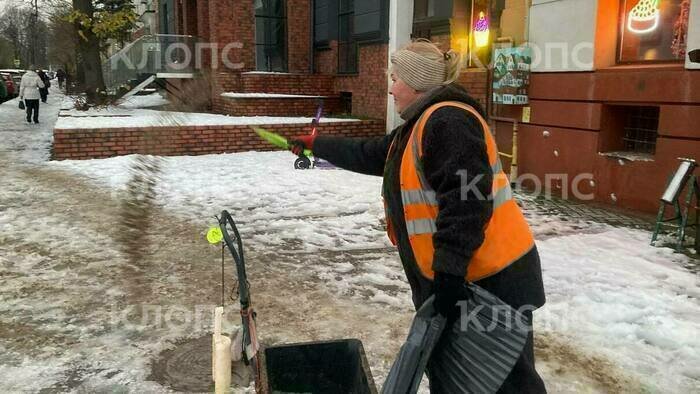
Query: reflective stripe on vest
[[507, 235]]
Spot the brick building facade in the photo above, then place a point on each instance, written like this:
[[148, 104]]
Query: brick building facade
[[333, 48], [618, 113], [305, 55]]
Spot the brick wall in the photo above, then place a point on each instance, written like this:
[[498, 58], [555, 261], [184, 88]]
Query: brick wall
[[231, 22], [321, 85], [189, 17], [189, 140], [227, 81], [223, 22], [277, 107], [203, 20], [287, 83], [326, 60], [475, 81], [298, 35], [369, 87]]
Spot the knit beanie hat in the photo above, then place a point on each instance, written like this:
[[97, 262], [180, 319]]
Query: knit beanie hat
[[419, 72]]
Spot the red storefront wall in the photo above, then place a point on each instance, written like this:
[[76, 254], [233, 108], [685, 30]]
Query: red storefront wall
[[575, 109]]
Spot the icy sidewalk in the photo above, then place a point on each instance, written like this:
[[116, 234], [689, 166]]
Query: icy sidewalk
[[614, 302], [28, 141], [79, 314]]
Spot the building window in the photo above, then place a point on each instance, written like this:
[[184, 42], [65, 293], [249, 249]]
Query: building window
[[423, 9], [653, 30], [167, 17], [271, 35], [628, 129], [347, 46], [431, 18], [641, 129]]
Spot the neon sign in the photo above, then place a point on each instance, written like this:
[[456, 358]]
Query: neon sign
[[644, 17], [481, 31]]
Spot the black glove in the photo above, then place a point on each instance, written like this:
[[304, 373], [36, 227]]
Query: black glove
[[448, 290]]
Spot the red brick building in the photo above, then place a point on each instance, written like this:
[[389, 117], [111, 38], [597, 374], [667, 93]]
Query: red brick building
[[330, 50], [585, 101], [336, 49], [610, 100]]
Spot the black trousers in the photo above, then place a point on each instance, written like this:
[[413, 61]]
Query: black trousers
[[32, 109]]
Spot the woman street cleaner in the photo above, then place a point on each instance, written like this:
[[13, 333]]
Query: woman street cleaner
[[449, 207]]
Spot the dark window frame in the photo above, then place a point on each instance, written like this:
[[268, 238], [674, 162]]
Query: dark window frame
[[374, 36], [348, 47], [283, 42], [321, 45], [428, 26]]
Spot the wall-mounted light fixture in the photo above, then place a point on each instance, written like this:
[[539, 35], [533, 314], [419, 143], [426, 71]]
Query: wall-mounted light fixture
[[481, 31]]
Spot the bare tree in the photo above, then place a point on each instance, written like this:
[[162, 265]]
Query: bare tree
[[63, 38], [7, 53], [19, 26]]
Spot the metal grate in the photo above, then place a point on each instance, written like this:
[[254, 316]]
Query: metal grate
[[641, 129]]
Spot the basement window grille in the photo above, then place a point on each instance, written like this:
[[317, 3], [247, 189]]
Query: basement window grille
[[641, 129]]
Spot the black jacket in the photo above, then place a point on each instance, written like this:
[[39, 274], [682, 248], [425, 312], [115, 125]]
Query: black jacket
[[454, 154], [47, 82]]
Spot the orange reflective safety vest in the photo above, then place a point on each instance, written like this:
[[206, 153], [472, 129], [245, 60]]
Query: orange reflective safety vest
[[507, 234]]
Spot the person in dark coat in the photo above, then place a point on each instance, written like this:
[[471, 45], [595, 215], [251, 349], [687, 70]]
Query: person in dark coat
[[453, 141], [44, 92], [61, 76]]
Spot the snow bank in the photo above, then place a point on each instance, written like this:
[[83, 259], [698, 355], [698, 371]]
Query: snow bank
[[122, 117], [145, 101], [609, 292]]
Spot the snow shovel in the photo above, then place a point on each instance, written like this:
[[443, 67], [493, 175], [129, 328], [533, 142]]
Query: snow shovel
[[407, 371], [474, 355]]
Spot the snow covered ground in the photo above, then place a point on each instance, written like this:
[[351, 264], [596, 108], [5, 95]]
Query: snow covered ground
[[84, 309], [144, 101], [126, 115]]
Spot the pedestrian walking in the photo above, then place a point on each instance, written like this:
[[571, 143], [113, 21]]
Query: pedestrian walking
[[29, 93], [61, 76], [44, 92]]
